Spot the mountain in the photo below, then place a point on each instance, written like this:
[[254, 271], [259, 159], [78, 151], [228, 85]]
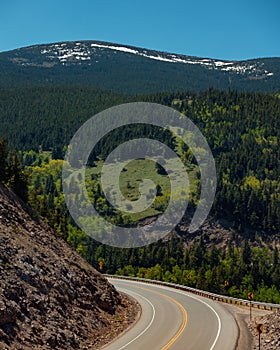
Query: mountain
[[50, 298], [131, 69]]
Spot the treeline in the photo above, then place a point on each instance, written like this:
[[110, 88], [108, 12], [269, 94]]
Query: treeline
[[229, 271], [129, 132]]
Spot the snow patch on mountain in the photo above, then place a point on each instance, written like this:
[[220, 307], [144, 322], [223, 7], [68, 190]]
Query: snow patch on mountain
[[117, 48], [64, 53], [69, 53]]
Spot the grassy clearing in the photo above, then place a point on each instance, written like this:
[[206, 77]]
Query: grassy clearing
[[132, 176]]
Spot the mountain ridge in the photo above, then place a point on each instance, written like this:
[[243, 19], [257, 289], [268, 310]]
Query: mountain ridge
[[131, 69], [136, 47]]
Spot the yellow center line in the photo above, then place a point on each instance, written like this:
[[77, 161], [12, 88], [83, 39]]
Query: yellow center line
[[184, 314]]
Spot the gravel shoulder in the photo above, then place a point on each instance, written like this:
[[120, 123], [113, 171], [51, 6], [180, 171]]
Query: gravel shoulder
[[248, 338], [270, 338]]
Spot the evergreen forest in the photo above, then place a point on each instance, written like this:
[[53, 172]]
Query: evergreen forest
[[242, 130]]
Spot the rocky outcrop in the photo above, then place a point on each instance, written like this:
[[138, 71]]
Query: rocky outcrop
[[270, 338], [50, 298]]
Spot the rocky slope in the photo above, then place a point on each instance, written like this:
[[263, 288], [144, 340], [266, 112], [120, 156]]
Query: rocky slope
[[270, 338], [50, 298]]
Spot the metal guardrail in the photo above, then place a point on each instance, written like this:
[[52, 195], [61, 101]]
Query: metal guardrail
[[213, 296]]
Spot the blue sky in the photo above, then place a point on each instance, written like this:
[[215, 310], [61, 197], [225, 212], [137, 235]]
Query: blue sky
[[218, 29]]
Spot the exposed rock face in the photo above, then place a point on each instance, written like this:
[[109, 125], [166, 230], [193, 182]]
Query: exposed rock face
[[50, 298], [270, 338]]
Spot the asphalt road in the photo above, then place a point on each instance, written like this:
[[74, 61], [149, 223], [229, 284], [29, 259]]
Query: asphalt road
[[175, 320]]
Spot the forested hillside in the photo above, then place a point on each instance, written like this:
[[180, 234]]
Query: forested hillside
[[131, 70], [46, 117], [242, 130]]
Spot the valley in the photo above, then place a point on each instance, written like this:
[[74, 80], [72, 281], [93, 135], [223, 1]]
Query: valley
[[52, 292]]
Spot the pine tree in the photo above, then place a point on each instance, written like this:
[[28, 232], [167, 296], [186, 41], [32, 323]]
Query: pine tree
[[3, 160]]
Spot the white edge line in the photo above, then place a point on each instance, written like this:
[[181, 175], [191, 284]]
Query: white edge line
[[215, 312], [204, 302], [191, 296], [149, 325]]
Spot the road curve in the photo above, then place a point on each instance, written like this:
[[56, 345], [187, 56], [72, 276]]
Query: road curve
[[175, 320]]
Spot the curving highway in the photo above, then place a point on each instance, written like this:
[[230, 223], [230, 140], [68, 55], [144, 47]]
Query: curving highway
[[175, 320]]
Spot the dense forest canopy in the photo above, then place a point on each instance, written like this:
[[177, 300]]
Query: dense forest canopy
[[242, 130]]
